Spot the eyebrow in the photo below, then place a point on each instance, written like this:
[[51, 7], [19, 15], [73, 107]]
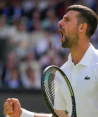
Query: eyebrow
[[66, 17]]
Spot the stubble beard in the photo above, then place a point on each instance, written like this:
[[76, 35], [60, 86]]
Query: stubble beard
[[71, 42]]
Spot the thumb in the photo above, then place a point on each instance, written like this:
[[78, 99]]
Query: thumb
[[14, 100]]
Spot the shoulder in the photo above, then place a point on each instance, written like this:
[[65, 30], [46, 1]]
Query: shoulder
[[95, 56], [96, 52], [64, 66]]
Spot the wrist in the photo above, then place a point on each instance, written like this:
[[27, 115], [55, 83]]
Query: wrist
[[25, 113]]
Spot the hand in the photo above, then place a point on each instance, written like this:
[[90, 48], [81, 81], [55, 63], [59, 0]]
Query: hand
[[12, 107]]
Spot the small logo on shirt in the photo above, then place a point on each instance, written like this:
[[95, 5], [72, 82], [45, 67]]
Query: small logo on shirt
[[87, 78]]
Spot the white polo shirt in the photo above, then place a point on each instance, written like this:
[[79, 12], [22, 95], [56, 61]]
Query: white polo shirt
[[84, 80]]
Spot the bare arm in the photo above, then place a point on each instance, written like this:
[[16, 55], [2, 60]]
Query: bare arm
[[42, 115], [13, 108], [61, 113]]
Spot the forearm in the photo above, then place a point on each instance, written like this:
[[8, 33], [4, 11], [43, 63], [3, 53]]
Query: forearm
[[42, 115], [26, 113]]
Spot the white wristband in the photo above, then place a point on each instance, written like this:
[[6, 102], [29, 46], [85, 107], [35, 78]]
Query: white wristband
[[26, 113]]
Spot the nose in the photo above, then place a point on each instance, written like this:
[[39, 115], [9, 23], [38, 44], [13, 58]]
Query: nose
[[60, 23]]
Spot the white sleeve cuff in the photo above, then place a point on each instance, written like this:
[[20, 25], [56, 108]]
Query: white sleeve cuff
[[26, 113]]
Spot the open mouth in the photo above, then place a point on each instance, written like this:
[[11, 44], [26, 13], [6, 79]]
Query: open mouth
[[61, 33]]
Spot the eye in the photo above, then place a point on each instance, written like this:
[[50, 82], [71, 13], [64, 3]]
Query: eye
[[66, 19]]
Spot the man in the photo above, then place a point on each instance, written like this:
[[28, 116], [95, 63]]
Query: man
[[76, 28]]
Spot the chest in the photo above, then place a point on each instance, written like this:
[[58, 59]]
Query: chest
[[83, 80]]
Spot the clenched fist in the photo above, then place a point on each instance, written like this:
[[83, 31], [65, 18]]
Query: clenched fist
[[12, 107]]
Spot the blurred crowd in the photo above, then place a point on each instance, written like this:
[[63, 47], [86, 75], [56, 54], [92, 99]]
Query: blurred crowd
[[30, 41]]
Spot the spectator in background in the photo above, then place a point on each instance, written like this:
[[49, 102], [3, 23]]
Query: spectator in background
[[30, 61], [16, 10], [49, 38], [37, 34], [14, 81], [43, 5], [36, 17], [28, 6], [30, 80], [31, 71], [50, 4], [48, 58], [58, 59], [4, 9], [20, 39], [42, 47], [54, 39], [10, 74], [50, 22], [13, 29], [4, 28], [44, 61]]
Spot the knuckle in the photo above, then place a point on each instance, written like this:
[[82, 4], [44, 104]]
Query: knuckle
[[15, 99], [6, 105], [8, 99]]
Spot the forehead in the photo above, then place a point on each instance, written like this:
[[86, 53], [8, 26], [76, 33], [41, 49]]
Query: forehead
[[72, 14]]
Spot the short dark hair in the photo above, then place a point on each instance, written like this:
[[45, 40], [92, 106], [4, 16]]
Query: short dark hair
[[86, 15]]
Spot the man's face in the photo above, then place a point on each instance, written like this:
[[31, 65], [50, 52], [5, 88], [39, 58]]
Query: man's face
[[68, 28]]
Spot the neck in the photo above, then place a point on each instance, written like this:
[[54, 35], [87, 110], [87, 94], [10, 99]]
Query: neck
[[78, 52]]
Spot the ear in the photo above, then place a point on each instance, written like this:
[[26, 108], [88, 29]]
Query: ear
[[82, 27]]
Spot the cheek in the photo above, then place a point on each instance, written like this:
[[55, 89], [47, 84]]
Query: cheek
[[73, 32], [68, 30]]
